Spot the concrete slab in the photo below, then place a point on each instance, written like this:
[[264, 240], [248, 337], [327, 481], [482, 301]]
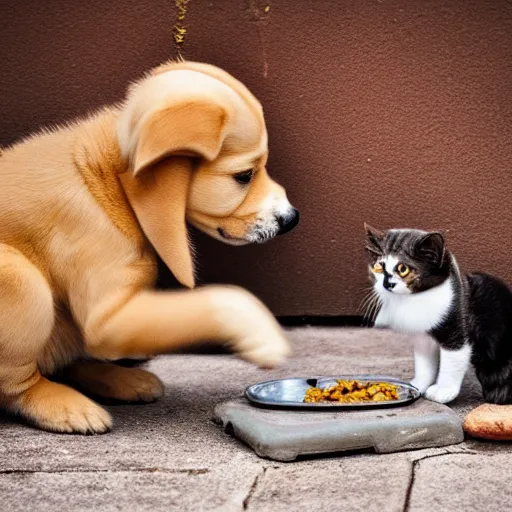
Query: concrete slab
[[459, 482], [125, 490], [284, 435], [355, 484]]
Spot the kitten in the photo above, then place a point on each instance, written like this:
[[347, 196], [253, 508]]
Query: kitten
[[468, 317]]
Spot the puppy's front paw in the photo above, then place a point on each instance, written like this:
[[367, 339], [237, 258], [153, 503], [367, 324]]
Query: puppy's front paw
[[58, 408], [250, 329], [441, 394], [265, 350]]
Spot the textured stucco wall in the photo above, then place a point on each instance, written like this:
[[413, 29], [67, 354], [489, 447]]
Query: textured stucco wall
[[391, 112]]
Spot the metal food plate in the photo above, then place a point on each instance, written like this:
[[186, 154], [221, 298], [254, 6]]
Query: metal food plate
[[289, 393]]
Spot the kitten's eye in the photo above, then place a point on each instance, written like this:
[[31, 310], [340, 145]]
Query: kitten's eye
[[403, 270], [244, 177], [378, 268]]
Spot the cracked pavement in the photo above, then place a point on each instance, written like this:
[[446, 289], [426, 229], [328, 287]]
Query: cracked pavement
[[170, 455]]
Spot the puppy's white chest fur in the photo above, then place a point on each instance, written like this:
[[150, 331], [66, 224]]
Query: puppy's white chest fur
[[417, 312]]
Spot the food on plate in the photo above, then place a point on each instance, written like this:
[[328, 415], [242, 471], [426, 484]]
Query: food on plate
[[350, 391]]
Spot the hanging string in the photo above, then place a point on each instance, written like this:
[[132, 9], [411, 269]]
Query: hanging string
[[180, 30]]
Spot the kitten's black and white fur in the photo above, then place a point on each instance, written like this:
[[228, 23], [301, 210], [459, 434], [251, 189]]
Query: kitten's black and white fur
[[468, 317]]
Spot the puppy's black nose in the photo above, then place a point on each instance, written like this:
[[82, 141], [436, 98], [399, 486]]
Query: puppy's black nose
[[288, 221]]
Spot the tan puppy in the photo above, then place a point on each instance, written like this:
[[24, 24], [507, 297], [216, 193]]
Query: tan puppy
[[82, 209]]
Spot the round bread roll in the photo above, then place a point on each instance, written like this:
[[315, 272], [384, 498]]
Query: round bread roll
[[490, 421]]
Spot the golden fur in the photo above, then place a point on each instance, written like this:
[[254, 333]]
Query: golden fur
[[83, 209]]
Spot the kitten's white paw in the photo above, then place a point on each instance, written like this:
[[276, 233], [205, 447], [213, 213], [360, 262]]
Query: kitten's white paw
[[420, 384], [441, 394]]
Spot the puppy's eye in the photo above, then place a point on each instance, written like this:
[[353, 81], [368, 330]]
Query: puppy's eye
[[378, 268], [403, 270], [244, 177]]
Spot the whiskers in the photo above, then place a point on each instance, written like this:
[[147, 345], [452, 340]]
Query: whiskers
[[261, 234], [370, 306]]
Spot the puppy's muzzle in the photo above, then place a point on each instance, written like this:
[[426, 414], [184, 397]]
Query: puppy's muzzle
[[288, 221]]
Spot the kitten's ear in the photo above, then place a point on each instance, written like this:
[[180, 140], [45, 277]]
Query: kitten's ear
[[432, 247], [374, 239]]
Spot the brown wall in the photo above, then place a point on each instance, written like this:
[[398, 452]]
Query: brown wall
[[392, 112]]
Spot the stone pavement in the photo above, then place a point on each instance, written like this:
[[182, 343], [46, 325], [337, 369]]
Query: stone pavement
[[170, 456]]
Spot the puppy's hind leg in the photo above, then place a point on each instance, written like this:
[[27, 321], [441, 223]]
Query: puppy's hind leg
[[108, 380], [26, 321]]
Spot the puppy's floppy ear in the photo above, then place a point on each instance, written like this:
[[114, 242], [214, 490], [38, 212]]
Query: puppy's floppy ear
[[374, 239], [191, 128], [162, 169]]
